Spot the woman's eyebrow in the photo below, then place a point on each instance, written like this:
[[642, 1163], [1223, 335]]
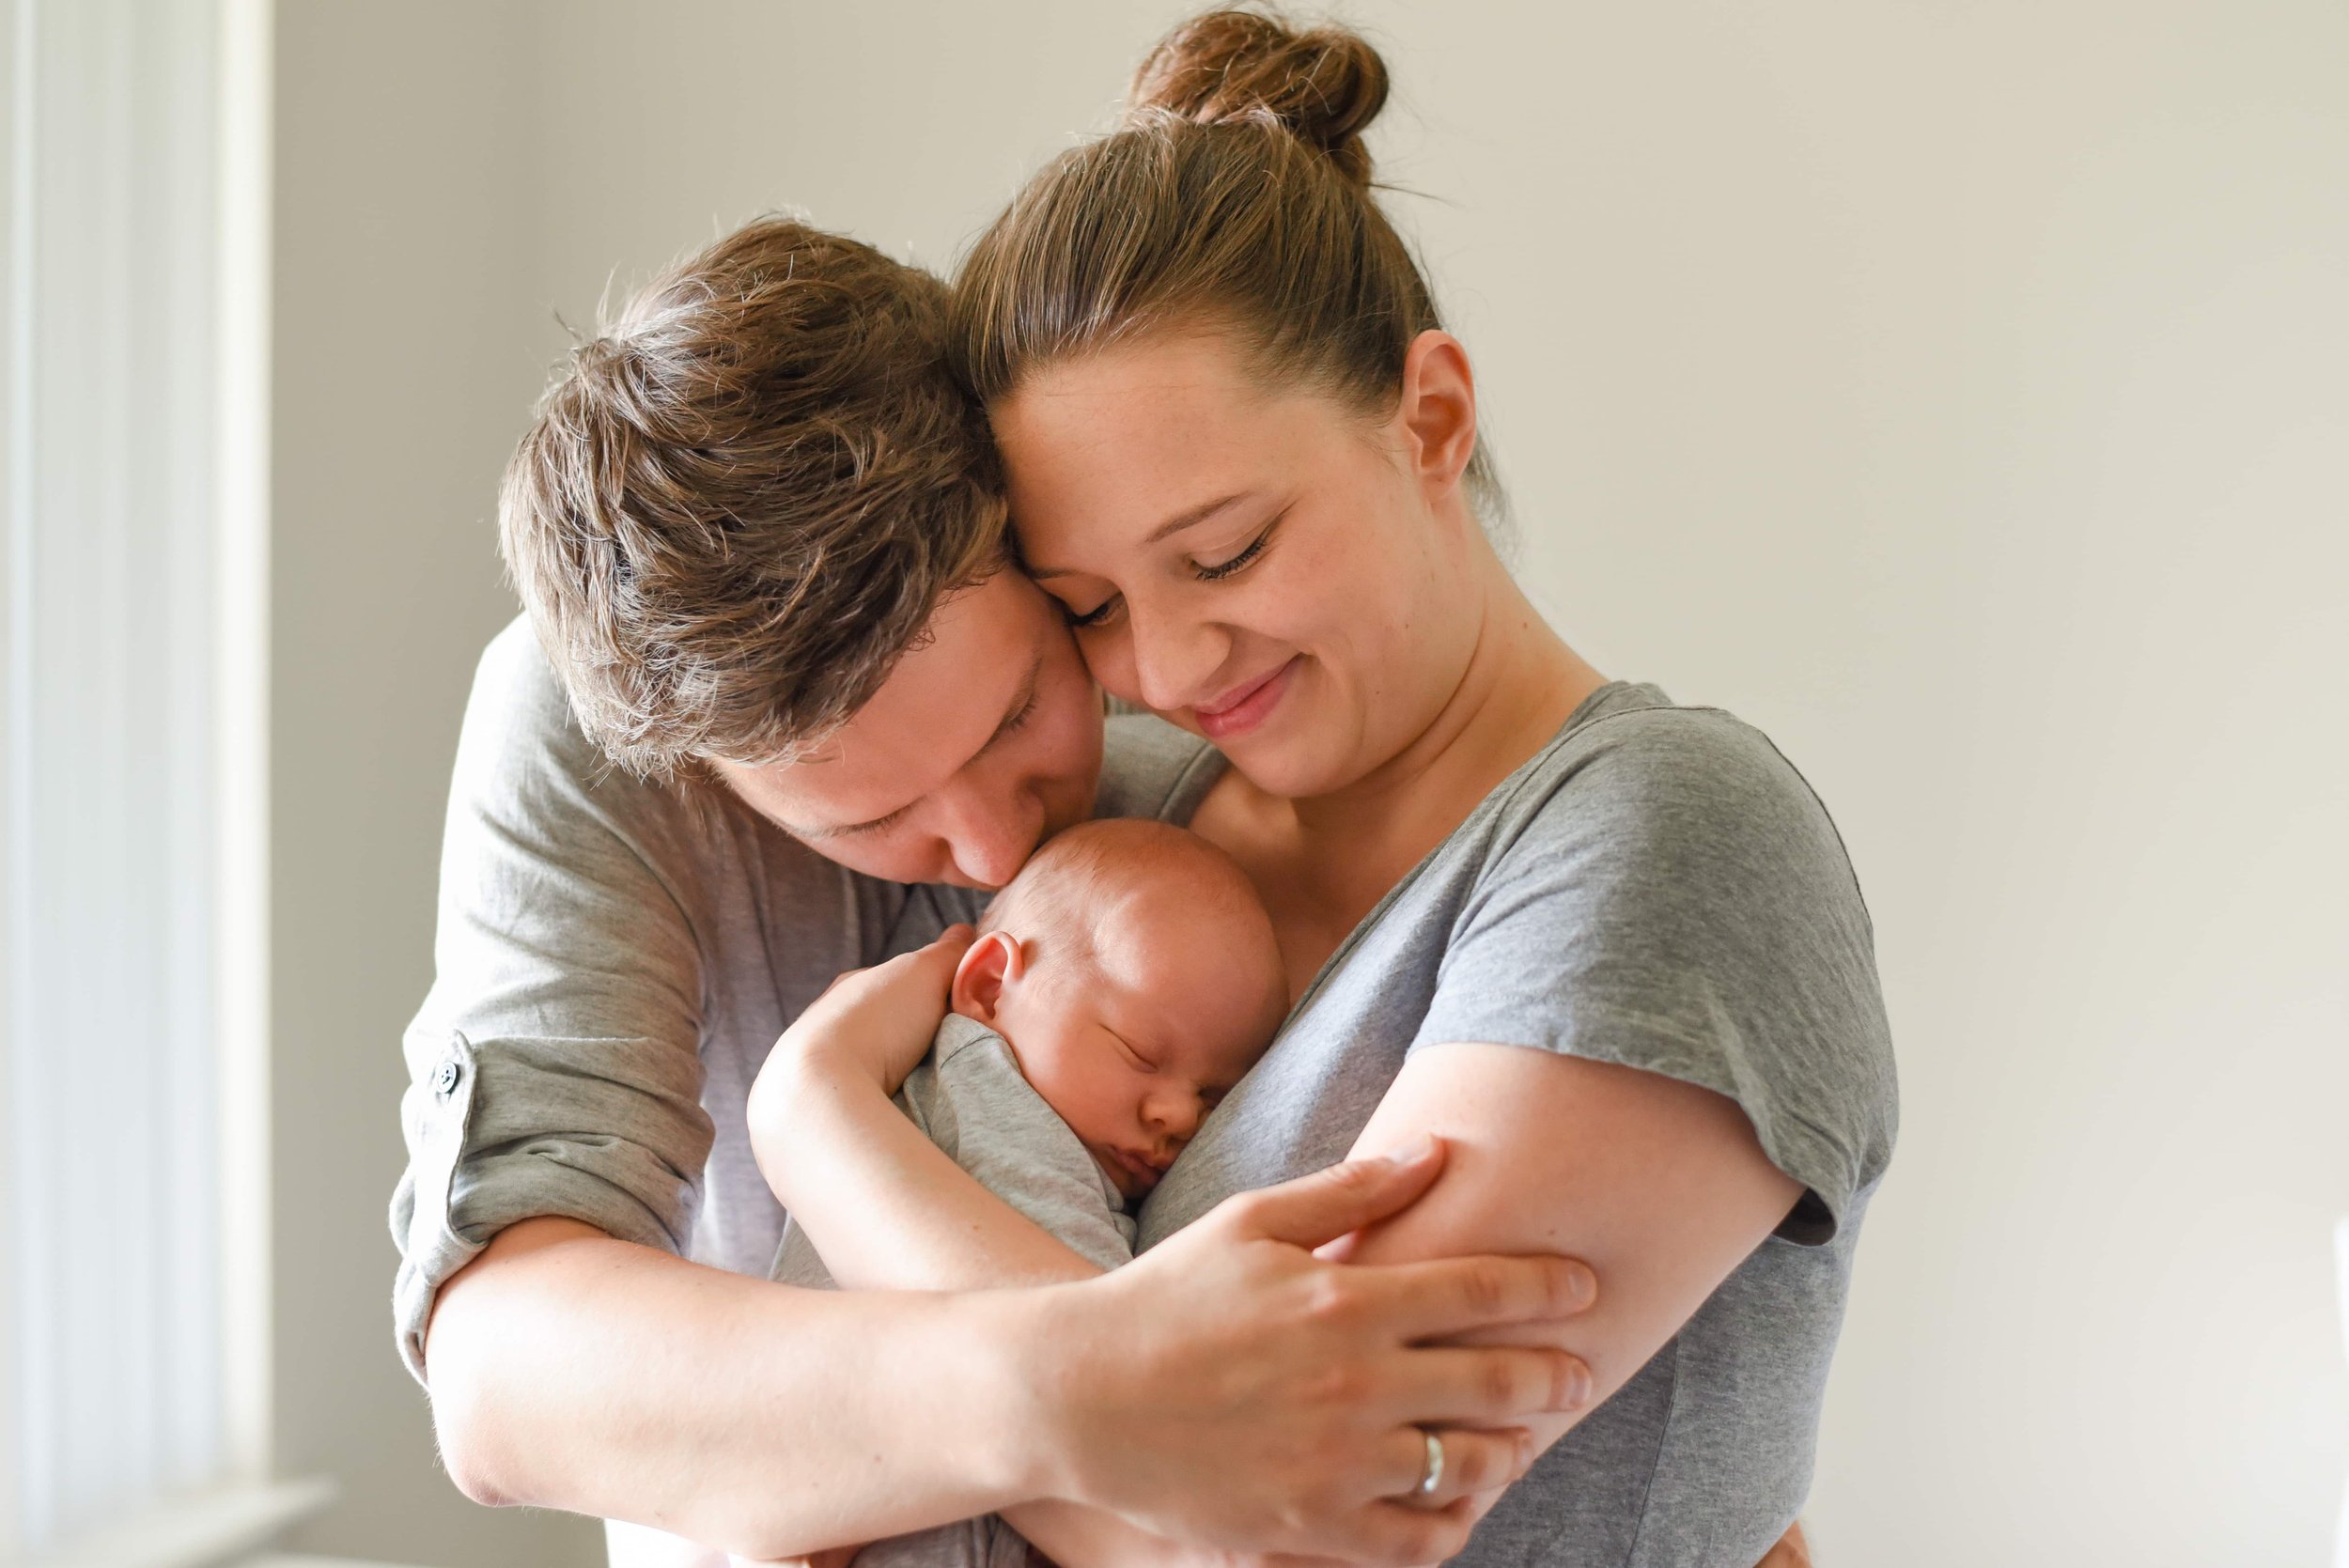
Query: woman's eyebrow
[[1189, 517], [1194, 516]]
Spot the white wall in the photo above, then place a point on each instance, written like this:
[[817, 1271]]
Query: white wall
[[404, 367], [1955, 391]]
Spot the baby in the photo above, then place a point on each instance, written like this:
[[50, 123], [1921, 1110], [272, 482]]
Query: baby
[[1125, 979]]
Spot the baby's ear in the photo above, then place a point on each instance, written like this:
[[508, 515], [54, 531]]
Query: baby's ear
[[993, 961]]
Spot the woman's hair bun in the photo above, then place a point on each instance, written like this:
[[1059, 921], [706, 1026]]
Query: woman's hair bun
[[1326, 84]]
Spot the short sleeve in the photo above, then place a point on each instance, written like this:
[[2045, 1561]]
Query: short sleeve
[[553, 1069], [1669, 894]]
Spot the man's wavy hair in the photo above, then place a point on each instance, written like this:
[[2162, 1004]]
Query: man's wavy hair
[[743, 501]]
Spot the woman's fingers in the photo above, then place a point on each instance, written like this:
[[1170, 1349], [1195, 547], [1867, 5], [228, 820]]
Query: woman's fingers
[[1453, 1295], [1473, 1459], [1346, 1197], [1490, 1385]]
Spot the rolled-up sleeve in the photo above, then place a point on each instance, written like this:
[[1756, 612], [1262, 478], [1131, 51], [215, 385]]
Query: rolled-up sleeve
[[554, 1068]]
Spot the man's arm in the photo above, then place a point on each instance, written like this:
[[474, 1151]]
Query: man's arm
[[574, 1371]]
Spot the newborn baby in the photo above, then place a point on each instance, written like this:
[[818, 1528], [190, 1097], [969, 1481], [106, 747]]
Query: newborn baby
[[1118, 987]]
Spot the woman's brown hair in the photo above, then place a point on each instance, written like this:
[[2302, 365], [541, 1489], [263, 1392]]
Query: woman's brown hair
[[1236, 196]]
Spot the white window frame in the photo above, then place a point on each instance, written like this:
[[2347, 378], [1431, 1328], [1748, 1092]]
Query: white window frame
[[137, 129]]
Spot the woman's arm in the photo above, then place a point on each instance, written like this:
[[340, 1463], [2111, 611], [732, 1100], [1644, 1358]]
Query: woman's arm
[[1662, 1186]]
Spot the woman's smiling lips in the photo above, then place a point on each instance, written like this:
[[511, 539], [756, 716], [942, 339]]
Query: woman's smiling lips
[[1244, 707]]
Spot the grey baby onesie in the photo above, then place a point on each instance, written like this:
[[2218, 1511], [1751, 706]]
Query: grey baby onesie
[[969, 1098]]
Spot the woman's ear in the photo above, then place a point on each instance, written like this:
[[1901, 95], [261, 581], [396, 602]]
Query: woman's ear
[[992, 962], [1439, 408]]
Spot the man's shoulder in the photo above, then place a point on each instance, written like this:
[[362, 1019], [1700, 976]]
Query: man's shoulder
[[522, 743], [514, 685]]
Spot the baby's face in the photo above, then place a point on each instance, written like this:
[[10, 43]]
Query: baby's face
[[1134, 1045]]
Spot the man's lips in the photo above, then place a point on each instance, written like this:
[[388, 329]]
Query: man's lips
[[1244, 706]]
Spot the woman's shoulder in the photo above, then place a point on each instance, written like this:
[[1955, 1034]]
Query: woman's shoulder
[[1662, 888], [1634, 771]]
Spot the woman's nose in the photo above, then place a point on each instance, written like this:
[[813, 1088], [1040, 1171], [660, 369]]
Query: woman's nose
[[1173, 657]]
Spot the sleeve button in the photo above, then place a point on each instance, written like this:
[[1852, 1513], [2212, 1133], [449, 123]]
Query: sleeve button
[[444, 1081]]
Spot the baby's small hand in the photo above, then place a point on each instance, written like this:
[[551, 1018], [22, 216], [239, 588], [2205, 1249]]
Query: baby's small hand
[[880, 1021]]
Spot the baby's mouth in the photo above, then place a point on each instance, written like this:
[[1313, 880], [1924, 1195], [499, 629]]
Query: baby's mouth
[[1142, 1175]]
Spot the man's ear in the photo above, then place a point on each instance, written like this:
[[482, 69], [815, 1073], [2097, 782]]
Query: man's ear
[[1439, 408], [992, 962]]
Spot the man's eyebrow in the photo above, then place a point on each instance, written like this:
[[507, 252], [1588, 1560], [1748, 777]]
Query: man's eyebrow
[[1022, 703], [1190, 516]]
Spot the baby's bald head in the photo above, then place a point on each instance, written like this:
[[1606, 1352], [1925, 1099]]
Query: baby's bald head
[[1136, 975], [1101, 884]]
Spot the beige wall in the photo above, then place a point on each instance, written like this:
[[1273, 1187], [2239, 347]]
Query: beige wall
[[403, 368], [1955, 391]]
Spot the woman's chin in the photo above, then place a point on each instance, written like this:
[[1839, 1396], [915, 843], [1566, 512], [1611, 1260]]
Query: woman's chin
[[1284, 766]]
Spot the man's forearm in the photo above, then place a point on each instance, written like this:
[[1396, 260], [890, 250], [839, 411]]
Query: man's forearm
[[909, 1217], [572, 1371]]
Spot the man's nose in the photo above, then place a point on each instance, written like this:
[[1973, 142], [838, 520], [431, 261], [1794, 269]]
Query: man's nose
[[991, 834]]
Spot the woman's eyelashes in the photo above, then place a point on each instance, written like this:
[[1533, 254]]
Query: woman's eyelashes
[[1223, 569], [1103, 613]]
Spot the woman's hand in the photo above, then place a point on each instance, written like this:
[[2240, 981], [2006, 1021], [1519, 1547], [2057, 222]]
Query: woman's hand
[[1231, 1390]]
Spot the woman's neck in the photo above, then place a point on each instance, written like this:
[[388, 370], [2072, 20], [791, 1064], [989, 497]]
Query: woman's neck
[[1519, 685], [1322, 863]]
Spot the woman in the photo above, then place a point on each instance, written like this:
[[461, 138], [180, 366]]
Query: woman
[[1608, 949]]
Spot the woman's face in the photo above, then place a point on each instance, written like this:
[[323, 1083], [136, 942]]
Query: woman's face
[[1262, 566]]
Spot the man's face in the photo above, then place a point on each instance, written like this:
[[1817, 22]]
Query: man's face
[[981, 742]]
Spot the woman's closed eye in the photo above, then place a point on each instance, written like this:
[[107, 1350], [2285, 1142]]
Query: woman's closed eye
[[1222, 570]]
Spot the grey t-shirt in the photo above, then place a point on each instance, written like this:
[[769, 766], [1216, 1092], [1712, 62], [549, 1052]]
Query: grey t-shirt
[[1657, 888], [971, 1099]]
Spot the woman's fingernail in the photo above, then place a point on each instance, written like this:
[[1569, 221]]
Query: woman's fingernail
[[1578, 1386], [1416, 1150], [1581, 1284]]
